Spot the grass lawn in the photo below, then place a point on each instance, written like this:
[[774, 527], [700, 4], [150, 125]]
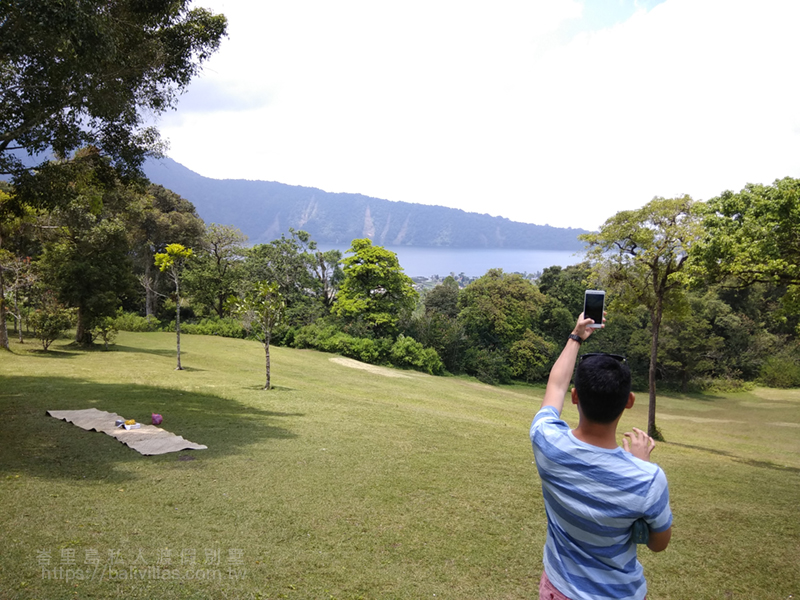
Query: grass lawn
[[349, 483]]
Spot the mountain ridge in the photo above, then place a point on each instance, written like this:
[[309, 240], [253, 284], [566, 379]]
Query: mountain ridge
[[263, 210]]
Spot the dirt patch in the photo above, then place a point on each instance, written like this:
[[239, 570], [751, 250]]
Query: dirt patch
[[375, 369], [784, 424]]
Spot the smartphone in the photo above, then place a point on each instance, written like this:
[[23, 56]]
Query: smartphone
[[594, 302]]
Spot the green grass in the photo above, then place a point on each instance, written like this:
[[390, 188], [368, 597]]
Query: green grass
[[345, 483]]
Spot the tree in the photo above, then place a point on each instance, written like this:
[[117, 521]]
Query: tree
[[498, 308], [305, 277], [86, 257], [90, 72], [753, 236], [639, 255], [217, 268], [529, 357], [691, 346], [443, 299], [566, 285], [20, 278], [161, 217], [260, 309], [328, 272], [173, 261], [49, 321], [438, 326], [375, 291], [5, 257]]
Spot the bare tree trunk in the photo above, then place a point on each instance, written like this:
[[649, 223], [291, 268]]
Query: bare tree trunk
[[266, 350], [149, 295], [178, 322], [18, 314]]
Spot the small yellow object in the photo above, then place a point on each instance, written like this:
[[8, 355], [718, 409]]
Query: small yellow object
[[130, 422]]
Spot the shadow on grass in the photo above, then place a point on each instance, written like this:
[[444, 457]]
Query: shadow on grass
[[273, 388], [51, 353], [39, 445], [157, 351], [761, 464]]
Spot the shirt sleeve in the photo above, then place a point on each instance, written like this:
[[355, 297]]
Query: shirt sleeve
[[658, 513], [546, 418]]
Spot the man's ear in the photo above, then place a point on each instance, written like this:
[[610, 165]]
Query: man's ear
[[574, 396], [631, 400]]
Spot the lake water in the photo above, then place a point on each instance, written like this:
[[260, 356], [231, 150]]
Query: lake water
[[425, 262]]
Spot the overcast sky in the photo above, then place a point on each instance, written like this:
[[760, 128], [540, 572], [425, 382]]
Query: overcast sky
[[559, 112]]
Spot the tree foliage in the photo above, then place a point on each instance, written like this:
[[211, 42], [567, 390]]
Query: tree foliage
[[639, 256], [753, 236], [49, 321], [75, 73], [375, 291], [499, 308], [261, 308], [85, 258], [217, 269], [306, 277], [173, 261], [160, 217]]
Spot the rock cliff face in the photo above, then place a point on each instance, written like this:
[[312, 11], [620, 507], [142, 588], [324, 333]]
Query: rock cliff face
[[263, 210]]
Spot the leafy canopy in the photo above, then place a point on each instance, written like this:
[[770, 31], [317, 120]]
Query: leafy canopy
[[374, 289], [89, 72], [753, 236]]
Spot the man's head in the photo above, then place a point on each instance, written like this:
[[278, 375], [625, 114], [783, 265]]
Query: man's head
[[603, 386]]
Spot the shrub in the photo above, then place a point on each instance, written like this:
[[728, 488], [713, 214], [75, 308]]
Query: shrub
[[781, 371], [106, 330], [49, 323], [133, 322], [313, 336], [215, 326], [405, 352], [408, 352]]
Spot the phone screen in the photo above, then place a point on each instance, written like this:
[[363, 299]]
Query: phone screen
[[593, 305]]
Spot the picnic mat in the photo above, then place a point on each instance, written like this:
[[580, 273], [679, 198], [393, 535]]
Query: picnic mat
[[147, 440]]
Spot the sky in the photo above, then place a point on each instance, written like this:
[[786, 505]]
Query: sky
[[553, 112]]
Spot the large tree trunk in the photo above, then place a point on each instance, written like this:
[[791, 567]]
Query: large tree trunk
[[655, 321], [83, 333]]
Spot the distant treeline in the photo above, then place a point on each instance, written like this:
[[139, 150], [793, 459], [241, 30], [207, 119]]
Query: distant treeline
[[86, 257]]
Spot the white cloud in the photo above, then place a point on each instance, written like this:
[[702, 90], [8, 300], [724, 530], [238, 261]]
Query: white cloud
[[471, 105]]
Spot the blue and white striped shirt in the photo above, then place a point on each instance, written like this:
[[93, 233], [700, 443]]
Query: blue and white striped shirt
[[592, 497]]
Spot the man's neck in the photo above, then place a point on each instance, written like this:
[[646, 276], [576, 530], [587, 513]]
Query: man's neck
[[602, 435]]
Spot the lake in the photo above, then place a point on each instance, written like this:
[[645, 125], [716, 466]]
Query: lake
[[425, 262]]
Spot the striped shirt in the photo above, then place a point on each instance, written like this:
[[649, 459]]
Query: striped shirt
[[592, 497]]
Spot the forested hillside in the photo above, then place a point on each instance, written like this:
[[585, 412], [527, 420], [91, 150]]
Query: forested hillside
[[263, 210]]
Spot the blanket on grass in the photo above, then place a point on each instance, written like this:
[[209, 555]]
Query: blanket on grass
[[147, 440]]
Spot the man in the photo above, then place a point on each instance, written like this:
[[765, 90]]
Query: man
[[594, 491]]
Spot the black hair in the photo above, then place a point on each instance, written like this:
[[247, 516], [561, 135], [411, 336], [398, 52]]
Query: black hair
[[603, 384]]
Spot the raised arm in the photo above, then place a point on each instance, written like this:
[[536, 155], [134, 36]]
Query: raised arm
[[561, 373]]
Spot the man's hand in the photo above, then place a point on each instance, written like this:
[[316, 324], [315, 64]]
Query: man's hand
[[638, 443], [582, 327]]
